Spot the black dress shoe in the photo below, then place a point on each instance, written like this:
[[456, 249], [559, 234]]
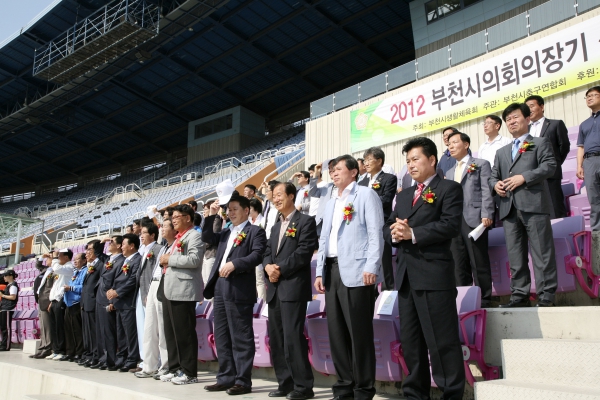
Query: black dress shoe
[[238, 389], [544, 303], [296, 395], [96, 366], [67, 358], [32, 356], [516, 303], [216, 388], [114, 368], [278, 393], [75, 359], [42, 355], [342, 397], [103, 368]]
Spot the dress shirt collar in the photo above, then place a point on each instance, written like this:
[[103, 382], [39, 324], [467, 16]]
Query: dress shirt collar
[[538, 122], [464, 160], [374, 178], [93, 262], [595, 114], [427, 181], [496, 139], [113, 256], [521, 139], [130, 257], [288, 218], [447, 153], [345, 192], [148, 247], [239, 228]]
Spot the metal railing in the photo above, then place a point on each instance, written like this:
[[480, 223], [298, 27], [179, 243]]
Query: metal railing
[[506, 32], [85, 233], [289, 163], [158, 173], [93, 28]]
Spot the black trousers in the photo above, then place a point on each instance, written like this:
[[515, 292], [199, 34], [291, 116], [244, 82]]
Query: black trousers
[[57, 327], [6, 329], [73, 331], [234, 338], [430, 327], [128, 353], [472, 261], [106, 333], [350, 324], [558, 198], [387, 267], [289, 347], [180, 333], [90, 346]]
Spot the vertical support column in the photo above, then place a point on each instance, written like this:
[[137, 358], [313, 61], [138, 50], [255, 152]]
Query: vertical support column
[[18, 244]]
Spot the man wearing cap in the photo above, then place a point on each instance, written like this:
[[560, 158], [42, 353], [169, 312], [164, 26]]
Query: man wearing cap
[[41, 291], [62, 271], [323, 192], [9, 298], [232, 283]]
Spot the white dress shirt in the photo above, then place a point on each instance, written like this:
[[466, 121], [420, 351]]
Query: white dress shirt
[[259, 220], [65, 273], [235, 230], [315, 201], [142, 248], [147, 249], [157, 268], [373, 179], [488, 149], [338, 217], [300, 195], [271, 220], [536, 127], [458, 171]]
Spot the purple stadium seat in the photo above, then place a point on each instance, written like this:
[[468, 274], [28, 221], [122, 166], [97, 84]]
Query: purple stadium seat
[[580, 205], [389, 363], [313, 273], [319, 352], [15, 332], [260, 324], [573, 131], [204, 329]]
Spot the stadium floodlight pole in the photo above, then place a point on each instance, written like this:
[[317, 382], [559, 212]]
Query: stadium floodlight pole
[[18, 245]]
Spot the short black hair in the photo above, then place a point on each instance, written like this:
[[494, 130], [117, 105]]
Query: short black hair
[[193, 204], [427, 147], [169, 211], [130, 226], [272, 184], [256, 205], [69, 254], [208, 204], [376, 153], [289, 189], [83, 257], [241, 200], [350, 163], [516, 106], [251, 186], [494, 118], [463, 137], [362, 160], [197, 219], [454, 130], [152, 230], [118, 239], [332, 161], [97, 246], [305, 174], [185, 209], [145, 221], [312, 167], [136, 222], [132, 239], [538, 99], [593, 89]]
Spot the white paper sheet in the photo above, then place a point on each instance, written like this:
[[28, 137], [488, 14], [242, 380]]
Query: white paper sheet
[[476, 233], [386, 304]]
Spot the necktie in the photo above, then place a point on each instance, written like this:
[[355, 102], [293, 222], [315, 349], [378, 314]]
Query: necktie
[[458, 172], [515, 149], [418, 192]]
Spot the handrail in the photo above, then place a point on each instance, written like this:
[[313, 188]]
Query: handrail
[[270, 174]]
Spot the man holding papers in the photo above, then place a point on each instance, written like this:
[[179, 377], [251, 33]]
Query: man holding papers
[[471, 259]]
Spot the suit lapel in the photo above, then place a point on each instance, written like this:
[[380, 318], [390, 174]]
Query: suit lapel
[[466, 166], [245, 230], [293, 223], [544, 128], [420, 202], [528, 138], [349, 200]]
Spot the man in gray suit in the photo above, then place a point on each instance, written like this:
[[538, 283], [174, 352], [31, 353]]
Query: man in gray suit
[[471, 258], [323, 192], [519, 178], [182, 287]]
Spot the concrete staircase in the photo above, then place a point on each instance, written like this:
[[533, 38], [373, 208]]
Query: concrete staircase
[[545, 369]]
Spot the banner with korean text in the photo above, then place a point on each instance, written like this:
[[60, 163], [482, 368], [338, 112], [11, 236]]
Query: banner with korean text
[[558, 62]]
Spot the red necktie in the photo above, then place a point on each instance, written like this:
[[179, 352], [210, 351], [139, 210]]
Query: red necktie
[[418, 192]]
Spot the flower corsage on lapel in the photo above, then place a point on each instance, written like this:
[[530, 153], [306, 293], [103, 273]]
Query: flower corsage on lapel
[[306, 193], [74, 277], [51, 277], [376, 185], [428, 196], [291, 231], [348, 211], [109, 265], [525, 146], [239, 239], [150, 255], [472, 168], [91, 269], [180, 246], [125, 268]]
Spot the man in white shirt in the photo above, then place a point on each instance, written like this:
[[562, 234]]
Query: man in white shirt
[[62, 269], [302, 202], [491, 127], [362, 169]]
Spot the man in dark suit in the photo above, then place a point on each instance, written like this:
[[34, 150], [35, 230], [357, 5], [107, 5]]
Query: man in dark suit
[[122, 297], [426, 218], [232, 283], [519, 178], [557, 134], [41, 291], [287, 269], [471, 258], [106, 317], [96, 258], [385, 186]]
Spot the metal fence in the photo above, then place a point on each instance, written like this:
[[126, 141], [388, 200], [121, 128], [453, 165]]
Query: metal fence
[[506, 32]]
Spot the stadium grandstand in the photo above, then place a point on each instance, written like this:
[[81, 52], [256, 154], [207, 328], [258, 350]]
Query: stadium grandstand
[[112, 111]]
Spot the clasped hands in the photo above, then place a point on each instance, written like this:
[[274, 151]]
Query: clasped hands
[[507, 184], [111, 294], [400, 230], [273, 271]]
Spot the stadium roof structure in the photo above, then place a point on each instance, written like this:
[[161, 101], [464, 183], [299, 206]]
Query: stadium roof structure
[[270, 56]]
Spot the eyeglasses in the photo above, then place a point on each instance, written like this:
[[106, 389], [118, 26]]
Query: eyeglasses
[[90, 250], [489, 123], [369, 160], [591, 96]]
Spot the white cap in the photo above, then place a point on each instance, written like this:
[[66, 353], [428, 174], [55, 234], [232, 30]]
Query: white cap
[[63, 251], [388, 169], [325, 165], [224, 191]]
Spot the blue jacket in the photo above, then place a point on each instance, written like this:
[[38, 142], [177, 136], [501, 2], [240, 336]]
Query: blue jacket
[[73, 296], [360, 243]]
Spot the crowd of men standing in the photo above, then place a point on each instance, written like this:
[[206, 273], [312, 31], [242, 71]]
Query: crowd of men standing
[[134, 309]]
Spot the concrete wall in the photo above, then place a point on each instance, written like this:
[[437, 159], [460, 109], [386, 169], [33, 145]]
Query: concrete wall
[[329, 136]]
